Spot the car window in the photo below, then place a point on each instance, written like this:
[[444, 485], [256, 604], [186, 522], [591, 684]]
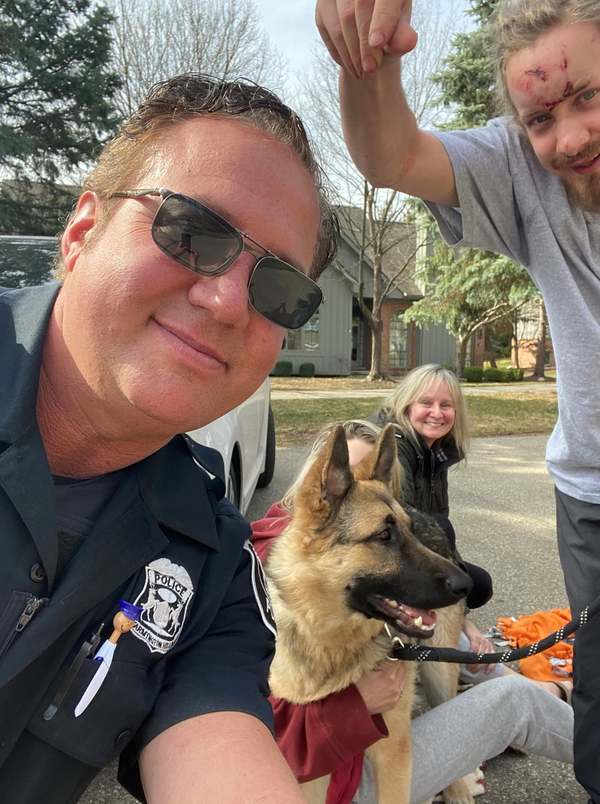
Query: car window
[[26, 261]]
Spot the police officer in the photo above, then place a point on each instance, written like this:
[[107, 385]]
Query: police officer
[[171, 311]]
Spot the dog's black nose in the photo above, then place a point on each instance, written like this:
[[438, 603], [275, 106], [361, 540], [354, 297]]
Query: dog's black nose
[[458, 584]]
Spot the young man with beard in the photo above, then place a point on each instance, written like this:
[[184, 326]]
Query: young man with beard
[[172, 310], [528, 186]]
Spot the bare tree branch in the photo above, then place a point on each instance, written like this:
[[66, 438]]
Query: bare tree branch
[[157, 39], [385, 211]]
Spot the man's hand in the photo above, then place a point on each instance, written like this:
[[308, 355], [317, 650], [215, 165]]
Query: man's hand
[[357, 33], [381, 689]]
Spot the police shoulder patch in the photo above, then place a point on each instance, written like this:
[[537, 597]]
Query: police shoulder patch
[[164, 601], [261, 589]]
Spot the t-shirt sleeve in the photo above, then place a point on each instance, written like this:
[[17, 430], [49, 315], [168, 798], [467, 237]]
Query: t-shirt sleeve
[[489, 218], [317, 738], [226, 670]]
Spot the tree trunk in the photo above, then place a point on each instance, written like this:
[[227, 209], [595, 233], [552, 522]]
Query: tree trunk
[[462, 356], [514, 342], [376, 372], [538, 373]]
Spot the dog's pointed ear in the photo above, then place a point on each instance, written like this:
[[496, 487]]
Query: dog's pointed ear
[[336, 475], [384, 456], [326, 482]]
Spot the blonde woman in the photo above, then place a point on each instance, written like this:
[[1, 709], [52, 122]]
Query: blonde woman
[[428, 409]]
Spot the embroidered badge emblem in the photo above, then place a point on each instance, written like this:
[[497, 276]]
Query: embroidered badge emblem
[[164, 601], [261, 590]]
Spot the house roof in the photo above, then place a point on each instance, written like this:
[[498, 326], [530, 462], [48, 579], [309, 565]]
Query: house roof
[[399, 244]]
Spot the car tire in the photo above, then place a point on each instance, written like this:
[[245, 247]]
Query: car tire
[[267, 475], [234, 492]]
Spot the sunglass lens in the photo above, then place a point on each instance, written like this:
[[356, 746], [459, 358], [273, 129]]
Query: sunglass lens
[[283, 294], [194, 235]]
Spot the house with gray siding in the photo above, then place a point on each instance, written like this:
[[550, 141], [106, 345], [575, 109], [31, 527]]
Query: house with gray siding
[[337, 340]]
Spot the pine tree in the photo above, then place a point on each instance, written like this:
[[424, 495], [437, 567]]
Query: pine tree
[[467, 80], [468, 290], [56, 92]]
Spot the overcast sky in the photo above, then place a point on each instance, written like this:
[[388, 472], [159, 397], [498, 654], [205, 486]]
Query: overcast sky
[[290, 25]]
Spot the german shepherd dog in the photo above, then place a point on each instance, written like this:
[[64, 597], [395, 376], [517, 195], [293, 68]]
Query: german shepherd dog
[[347, 566]]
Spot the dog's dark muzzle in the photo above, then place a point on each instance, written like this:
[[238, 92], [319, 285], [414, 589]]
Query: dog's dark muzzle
[[457, 584], [442, 586]]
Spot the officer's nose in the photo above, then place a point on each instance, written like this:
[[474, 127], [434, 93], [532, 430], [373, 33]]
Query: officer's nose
[[226, 296]]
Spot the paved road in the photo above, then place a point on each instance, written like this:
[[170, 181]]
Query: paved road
[[503, 510]]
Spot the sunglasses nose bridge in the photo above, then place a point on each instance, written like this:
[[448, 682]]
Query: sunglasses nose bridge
[[243, 246], [258, 252]]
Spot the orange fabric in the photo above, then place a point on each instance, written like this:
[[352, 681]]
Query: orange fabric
[[531, 628]]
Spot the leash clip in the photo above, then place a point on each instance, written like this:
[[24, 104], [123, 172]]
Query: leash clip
[[395, 641]]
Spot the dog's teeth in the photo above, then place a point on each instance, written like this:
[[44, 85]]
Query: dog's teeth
[[391, 603], [418, 621]]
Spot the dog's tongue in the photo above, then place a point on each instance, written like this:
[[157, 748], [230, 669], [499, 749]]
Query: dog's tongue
[[428, 617]]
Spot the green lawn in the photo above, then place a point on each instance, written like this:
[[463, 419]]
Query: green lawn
[[297, 421]]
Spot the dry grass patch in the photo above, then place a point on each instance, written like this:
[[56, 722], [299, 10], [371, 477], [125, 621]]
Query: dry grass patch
[[297, 421], [331, 384]]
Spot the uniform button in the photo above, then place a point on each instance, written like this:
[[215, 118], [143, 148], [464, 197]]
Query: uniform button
[[37, 573], [123, 739]]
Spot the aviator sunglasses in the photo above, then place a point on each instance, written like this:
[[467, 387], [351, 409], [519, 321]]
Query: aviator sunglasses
[[207, 244]]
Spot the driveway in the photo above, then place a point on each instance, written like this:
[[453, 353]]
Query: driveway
[[503, 511]]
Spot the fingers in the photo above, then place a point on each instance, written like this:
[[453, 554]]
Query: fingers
[[391, 28], [370, 57], [337, 26], [348, 21], [382, 688], [480, 644], [357, 33]]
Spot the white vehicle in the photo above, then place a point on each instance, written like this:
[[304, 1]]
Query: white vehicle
[[245, 436]]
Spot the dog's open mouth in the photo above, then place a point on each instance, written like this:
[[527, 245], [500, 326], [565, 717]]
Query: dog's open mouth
[[416, 623]]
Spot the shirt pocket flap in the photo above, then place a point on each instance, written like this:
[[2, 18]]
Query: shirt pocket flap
[[100, 733]]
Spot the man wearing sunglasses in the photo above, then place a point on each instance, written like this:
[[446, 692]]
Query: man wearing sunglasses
[[195, 244]]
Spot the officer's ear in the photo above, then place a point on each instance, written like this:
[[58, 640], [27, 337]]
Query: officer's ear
[[78, 229]]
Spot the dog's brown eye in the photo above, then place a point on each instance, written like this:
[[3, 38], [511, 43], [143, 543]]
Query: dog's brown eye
[[384, 535]]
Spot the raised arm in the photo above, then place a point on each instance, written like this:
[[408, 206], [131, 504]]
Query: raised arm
[[367, 40]]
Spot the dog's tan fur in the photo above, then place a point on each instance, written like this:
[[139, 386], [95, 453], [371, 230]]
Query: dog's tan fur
[[336, 538]]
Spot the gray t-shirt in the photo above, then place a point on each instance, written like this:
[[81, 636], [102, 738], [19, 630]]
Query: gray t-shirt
[[511, 205]]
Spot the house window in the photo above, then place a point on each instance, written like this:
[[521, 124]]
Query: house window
[[293, 339], [305, 339], [398, 342], [311, 333]]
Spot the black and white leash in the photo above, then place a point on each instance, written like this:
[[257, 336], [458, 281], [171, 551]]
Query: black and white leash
[[424, 653]]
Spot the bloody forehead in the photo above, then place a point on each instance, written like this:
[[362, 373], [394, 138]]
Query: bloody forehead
[[567, 92], [532, 82], [538, 72]]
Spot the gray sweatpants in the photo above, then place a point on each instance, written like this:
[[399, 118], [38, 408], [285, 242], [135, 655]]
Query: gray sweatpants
[[453, 739]]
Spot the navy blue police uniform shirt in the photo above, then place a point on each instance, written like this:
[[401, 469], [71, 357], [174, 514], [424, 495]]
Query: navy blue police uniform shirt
[[166, 540]]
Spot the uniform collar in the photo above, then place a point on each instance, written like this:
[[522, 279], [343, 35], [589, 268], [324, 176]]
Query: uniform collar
[[182, 484], [21, 346]]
